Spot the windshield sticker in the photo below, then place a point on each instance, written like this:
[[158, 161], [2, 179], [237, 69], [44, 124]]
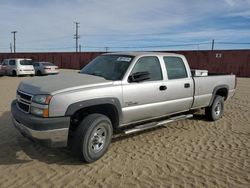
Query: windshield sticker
[[128, 59]]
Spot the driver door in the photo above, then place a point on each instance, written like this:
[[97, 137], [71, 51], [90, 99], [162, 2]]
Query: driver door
[[144, 100]]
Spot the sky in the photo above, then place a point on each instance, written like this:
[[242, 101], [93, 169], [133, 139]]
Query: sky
[[124, 25]]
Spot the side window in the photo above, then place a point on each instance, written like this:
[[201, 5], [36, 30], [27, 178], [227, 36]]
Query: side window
[[12, 62], [151, 65], [175, 68], [5, 62]]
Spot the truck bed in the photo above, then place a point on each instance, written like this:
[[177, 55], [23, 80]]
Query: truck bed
[[206, 85]]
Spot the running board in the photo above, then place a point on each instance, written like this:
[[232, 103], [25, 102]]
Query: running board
[[157, 124]]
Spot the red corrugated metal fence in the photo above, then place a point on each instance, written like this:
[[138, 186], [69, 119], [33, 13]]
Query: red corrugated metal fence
[[221, 61]]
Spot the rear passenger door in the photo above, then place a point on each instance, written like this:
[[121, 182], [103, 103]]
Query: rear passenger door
[[143, 100], [8, 67], [180, 87], [11, 66]]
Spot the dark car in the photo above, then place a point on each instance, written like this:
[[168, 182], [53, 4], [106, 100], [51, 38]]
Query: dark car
[[2, 69]]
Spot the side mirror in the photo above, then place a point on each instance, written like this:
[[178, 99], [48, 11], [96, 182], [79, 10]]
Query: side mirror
[[139, 77]]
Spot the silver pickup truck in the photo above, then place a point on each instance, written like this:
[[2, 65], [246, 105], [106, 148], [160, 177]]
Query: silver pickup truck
[[115, 93]]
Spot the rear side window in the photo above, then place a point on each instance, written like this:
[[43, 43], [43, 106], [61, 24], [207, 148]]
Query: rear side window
[[5, 62], [36, 64], [175, 68], [151, 65], [47, 64], [25, 62], [12, 62]]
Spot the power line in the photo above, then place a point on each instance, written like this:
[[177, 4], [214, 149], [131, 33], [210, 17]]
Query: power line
[[109, 48], [131, 34], [153, 46], [76, 36], [233, 43], [50, 39], [48, 48]]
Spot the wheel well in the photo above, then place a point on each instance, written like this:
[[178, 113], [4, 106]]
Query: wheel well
[[14, 73], [222, 92], [108, 110]]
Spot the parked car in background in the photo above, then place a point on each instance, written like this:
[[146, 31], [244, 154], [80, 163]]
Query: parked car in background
[[19, 66], [45, 68], [2, 69]]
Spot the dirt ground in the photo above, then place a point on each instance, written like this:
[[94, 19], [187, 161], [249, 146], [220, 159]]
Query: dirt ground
[[190, 153]]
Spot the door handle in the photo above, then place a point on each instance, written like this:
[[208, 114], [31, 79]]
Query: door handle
[[163, 88], [186, 85]]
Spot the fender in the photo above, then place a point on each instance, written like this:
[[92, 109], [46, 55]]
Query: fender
[[216, 89], [93, 102]]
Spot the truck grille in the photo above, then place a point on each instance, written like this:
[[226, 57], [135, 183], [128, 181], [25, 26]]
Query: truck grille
[[24, 101]]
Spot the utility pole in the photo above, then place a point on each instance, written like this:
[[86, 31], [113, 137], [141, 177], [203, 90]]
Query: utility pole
[[213, 45], [14, 35], [10, 48], [76, 36], [80, 47], [107, 49]]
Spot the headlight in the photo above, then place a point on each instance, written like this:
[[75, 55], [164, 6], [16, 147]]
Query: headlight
[[39, 111], [42, 99]]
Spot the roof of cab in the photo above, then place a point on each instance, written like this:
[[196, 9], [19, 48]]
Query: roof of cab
[[141, 53]]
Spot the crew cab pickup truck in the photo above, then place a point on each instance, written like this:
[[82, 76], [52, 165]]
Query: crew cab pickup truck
[[115, 93]]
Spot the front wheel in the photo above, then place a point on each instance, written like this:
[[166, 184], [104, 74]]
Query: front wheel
[[92, 137], [216, 110]]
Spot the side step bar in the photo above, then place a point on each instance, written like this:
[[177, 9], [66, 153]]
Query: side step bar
[[157, 124]]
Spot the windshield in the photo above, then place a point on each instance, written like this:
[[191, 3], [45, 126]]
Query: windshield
[[110, 67], [25, 62]]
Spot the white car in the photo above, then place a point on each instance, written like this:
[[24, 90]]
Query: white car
[[19, 66], [45, 68]]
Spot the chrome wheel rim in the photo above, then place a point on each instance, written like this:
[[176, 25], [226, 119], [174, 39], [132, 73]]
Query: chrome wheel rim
[[217, 109], [98, 139]]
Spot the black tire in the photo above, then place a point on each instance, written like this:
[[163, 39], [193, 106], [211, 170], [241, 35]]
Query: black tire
[[14, 73], [92, 137], [39, 73], [216, 110]]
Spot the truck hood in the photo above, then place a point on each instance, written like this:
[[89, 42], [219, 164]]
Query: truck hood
[[61, 83]]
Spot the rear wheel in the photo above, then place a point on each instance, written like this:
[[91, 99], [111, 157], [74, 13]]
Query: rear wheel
[[14, 73], [39, 73], [216, 110], [92, 137]]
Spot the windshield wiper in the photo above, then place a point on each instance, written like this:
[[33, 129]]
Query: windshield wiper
[[95, 74]]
